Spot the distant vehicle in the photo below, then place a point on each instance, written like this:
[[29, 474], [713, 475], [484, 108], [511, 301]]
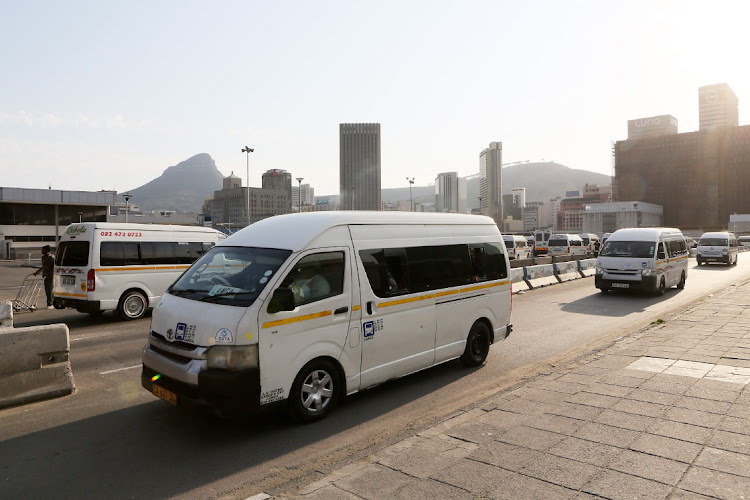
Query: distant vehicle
[[592, 243], [517, 246], [104, 266], [566, 244], [652, 259], [541, 238], [717, 247], [744, 241]]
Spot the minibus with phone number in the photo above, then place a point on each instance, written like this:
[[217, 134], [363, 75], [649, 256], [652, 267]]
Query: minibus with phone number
[[300, 310]]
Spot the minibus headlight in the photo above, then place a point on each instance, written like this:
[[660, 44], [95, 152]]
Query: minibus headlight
[[599, 269], [648, 271], [724, 252], [230, 357], [697, 254]]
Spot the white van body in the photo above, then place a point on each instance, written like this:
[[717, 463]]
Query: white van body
[[104, 266], [717, 247], [591, 242], [404, 291], [541, 238], [744, 241], [566, 244], [517, 246], [652, 259]]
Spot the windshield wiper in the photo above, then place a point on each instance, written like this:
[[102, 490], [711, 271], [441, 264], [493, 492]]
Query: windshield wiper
[[225, 294], [180, 291]]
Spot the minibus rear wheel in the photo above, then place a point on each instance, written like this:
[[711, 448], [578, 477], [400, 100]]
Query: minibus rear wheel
[[132, 305], [681, 284], [315, 391], [477, 345]]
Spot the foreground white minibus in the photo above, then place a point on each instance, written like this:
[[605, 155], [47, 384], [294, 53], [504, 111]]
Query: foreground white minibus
[[652, 259], [717, 247], [306, 308], [105, 266]]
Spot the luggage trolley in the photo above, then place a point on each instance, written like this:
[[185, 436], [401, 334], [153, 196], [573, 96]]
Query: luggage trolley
[[27, 295]]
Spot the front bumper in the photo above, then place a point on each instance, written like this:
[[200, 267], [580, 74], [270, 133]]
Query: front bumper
[[646, 283], [226, 390]]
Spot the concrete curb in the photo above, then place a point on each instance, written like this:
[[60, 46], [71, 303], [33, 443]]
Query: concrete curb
[[35, 363]]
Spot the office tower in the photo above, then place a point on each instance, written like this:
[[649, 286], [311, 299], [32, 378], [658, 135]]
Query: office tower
[[359, 166], [652, 126], [450, 193], [490, 182], [717, 107], [277, 179]]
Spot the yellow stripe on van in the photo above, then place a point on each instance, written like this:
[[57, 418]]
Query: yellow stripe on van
[[71, 294], [356, 308], [449, 292], [406, 301], [296, 319], [482, 287]]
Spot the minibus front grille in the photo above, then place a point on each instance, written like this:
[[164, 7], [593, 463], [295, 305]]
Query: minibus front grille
[[174, 357], [176, 343], [622, 273]]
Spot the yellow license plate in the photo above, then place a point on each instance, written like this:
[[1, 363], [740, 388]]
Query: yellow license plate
[[168, 396]]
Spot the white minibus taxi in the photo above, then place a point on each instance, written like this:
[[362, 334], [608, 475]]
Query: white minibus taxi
[[517, 246], [651, 259], [591, 242], [717, 247], [304, 309], [566, 244], [540, 242], [106, 266]]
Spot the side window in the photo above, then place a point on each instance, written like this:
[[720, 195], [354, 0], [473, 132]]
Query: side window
[[386, 271], [660, 255], [117, 253], [478, 257], [315, 277], [495, 262], [435, 267]]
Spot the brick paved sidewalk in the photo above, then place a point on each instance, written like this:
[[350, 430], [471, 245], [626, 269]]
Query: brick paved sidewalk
[[661, 413]]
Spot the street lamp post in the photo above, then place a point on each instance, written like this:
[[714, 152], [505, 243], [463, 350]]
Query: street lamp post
[[411, 200], [247, 150], [127, 197], [80, 217], [299, 194]]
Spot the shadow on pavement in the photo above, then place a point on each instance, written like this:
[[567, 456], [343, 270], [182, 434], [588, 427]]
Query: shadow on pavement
[[616, 303]]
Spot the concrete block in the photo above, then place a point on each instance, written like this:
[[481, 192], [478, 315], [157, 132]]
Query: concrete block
[[6, 314], [34, 364]]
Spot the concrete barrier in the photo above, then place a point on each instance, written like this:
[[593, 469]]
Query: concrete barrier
[[537, 276], [587, 267], [567, 271], [34, 362], [517, 278]]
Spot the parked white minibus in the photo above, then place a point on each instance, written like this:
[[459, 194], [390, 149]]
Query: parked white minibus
[[717, 247], [541, 238], [652, 259], [304, 309], [591, 242], [517, 246], [566, 244], [105, 266]]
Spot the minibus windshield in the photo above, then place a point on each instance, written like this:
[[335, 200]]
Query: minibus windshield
[[713, 242], [232, 276], [637, 249]]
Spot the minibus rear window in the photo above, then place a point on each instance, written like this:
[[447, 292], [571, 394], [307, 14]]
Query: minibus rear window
[[637, 249], [232, 276], [73, 253], [558, 243]]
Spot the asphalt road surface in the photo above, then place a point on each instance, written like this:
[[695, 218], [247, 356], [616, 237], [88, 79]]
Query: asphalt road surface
[[113, 439]]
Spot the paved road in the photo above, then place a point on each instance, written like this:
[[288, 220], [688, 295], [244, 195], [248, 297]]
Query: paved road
[[113, 438]]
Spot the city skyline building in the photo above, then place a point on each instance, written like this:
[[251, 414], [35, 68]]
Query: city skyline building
[[718, 106], [490, 182], [277, 178], [307, 197], [652, 126], [450, 193], [359, 166], [228, 206]]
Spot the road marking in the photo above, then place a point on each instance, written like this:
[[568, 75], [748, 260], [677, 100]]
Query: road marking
[[96, 337], [120, 369]]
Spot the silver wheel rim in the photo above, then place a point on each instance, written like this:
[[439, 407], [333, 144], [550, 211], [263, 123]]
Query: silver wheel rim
[[317, 391], [134, 306]]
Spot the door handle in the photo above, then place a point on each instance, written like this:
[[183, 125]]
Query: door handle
[[369, 307], [341, 310]]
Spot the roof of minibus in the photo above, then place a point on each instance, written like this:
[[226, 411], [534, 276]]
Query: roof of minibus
[[295, 231], [145, 227], [644, 234], [717, 234]]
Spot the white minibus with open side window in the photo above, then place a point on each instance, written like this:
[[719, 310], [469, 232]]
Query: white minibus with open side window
[[304, 309], [106, 266]]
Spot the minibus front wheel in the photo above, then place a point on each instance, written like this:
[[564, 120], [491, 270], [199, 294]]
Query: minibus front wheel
[[315, 391]]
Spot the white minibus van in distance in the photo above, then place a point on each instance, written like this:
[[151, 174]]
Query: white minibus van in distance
[[106, 266], [304, 309], [566, 244], [717, 247], [518, 247], [649, 259]]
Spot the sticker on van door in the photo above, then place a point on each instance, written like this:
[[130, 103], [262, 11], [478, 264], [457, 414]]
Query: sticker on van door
[[369, 328]]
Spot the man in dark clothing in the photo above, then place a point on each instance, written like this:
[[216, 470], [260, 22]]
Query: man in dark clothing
[[47, 270]]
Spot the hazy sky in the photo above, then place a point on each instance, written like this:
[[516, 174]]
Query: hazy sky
[[106, 95]]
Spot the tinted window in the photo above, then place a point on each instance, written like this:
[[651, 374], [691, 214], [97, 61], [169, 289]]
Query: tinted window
[[117, 253], [164, 252], [386, 271], [713, 242], [509, 243], [495, 262], [558, 242], [73, 253], [438, 267], [316, 277]]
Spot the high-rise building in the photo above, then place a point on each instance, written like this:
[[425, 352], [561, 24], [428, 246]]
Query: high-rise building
[[519, 196], [359, 166], [277, 179], [652, 126], [450, 193], [532, 215], [717, 107], [229, 205], [490, 182], [307, 197]]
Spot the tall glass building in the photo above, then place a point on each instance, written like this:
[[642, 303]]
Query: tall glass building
[[359, 166], [490, 182]]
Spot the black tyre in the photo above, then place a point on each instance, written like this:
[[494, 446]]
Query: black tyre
[[662, 287], [477, 345], [133, 305], [681, 284], [315, 391]]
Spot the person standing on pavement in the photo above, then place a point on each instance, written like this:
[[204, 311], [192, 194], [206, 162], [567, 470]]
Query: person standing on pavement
[[47, 270]]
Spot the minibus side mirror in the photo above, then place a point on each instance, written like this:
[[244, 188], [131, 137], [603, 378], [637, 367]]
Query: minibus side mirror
[[660, 255], [282, 300]]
